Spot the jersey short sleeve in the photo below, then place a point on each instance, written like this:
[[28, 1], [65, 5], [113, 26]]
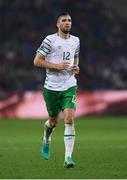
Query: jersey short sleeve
[[45, 47], [78, 48]]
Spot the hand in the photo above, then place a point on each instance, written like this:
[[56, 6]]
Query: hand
[[75, 69], [62, 66]]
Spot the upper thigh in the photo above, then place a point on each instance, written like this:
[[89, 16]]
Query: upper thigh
[[52, 102], [69, 98]]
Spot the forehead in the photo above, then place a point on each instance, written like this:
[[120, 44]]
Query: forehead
[[66, 17]]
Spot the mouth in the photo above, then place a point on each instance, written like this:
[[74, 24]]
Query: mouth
[[67, 27]]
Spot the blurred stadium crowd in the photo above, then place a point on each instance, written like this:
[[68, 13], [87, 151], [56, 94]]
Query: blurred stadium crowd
[[24, 24]]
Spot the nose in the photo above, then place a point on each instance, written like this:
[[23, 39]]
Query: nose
[[67, 22]]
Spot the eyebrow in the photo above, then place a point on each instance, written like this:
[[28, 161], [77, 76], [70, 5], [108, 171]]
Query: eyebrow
[[66, 19]]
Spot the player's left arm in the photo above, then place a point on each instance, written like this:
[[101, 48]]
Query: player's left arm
[[75, 67]]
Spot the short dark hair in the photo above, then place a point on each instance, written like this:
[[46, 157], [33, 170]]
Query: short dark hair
[[62, 14]]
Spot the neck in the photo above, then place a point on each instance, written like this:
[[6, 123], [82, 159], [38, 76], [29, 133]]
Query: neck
[[63, 35]]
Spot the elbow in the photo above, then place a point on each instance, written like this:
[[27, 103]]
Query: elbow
[[35, 62], [38, 61]]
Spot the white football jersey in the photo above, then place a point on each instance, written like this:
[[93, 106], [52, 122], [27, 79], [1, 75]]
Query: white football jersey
[[56, 49]]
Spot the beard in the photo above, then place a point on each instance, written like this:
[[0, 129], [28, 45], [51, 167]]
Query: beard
[[65, 31]]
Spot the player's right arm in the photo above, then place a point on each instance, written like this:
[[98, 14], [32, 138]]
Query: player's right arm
[[40, 61]]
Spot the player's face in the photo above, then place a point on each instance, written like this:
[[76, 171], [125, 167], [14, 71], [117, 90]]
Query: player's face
[[64, 24]]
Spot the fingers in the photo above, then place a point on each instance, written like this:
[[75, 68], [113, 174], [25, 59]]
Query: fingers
[[63, 65], [75, 69], [66, 63]]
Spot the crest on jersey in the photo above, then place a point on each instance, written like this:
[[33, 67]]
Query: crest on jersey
[[59, 47], [73, 47]]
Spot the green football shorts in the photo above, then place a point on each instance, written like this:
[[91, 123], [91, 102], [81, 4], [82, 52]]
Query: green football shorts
[[57, 101]]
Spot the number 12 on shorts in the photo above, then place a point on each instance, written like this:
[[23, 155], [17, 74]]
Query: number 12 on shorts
[[74, 99]]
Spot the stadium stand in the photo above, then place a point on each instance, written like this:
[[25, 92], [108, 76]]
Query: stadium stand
[[103, 43]]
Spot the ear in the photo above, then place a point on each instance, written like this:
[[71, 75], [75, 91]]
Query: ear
[[57, 24]]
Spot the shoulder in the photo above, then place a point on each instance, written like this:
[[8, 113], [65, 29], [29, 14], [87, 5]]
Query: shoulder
[[51, 37], [75, 38]]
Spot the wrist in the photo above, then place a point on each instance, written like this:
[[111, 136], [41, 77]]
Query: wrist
[[55, 66]]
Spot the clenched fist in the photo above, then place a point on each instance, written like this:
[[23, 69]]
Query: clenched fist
[[75, 69], [62, 66]]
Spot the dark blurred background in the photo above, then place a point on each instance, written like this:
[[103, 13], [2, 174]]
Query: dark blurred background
[[100, 24]]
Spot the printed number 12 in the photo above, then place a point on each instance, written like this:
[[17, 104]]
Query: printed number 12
[[66, 55]]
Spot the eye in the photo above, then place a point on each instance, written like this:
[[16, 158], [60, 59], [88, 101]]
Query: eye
[[63, 20]]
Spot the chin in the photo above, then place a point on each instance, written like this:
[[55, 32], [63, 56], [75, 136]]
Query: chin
[[66, 31]]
